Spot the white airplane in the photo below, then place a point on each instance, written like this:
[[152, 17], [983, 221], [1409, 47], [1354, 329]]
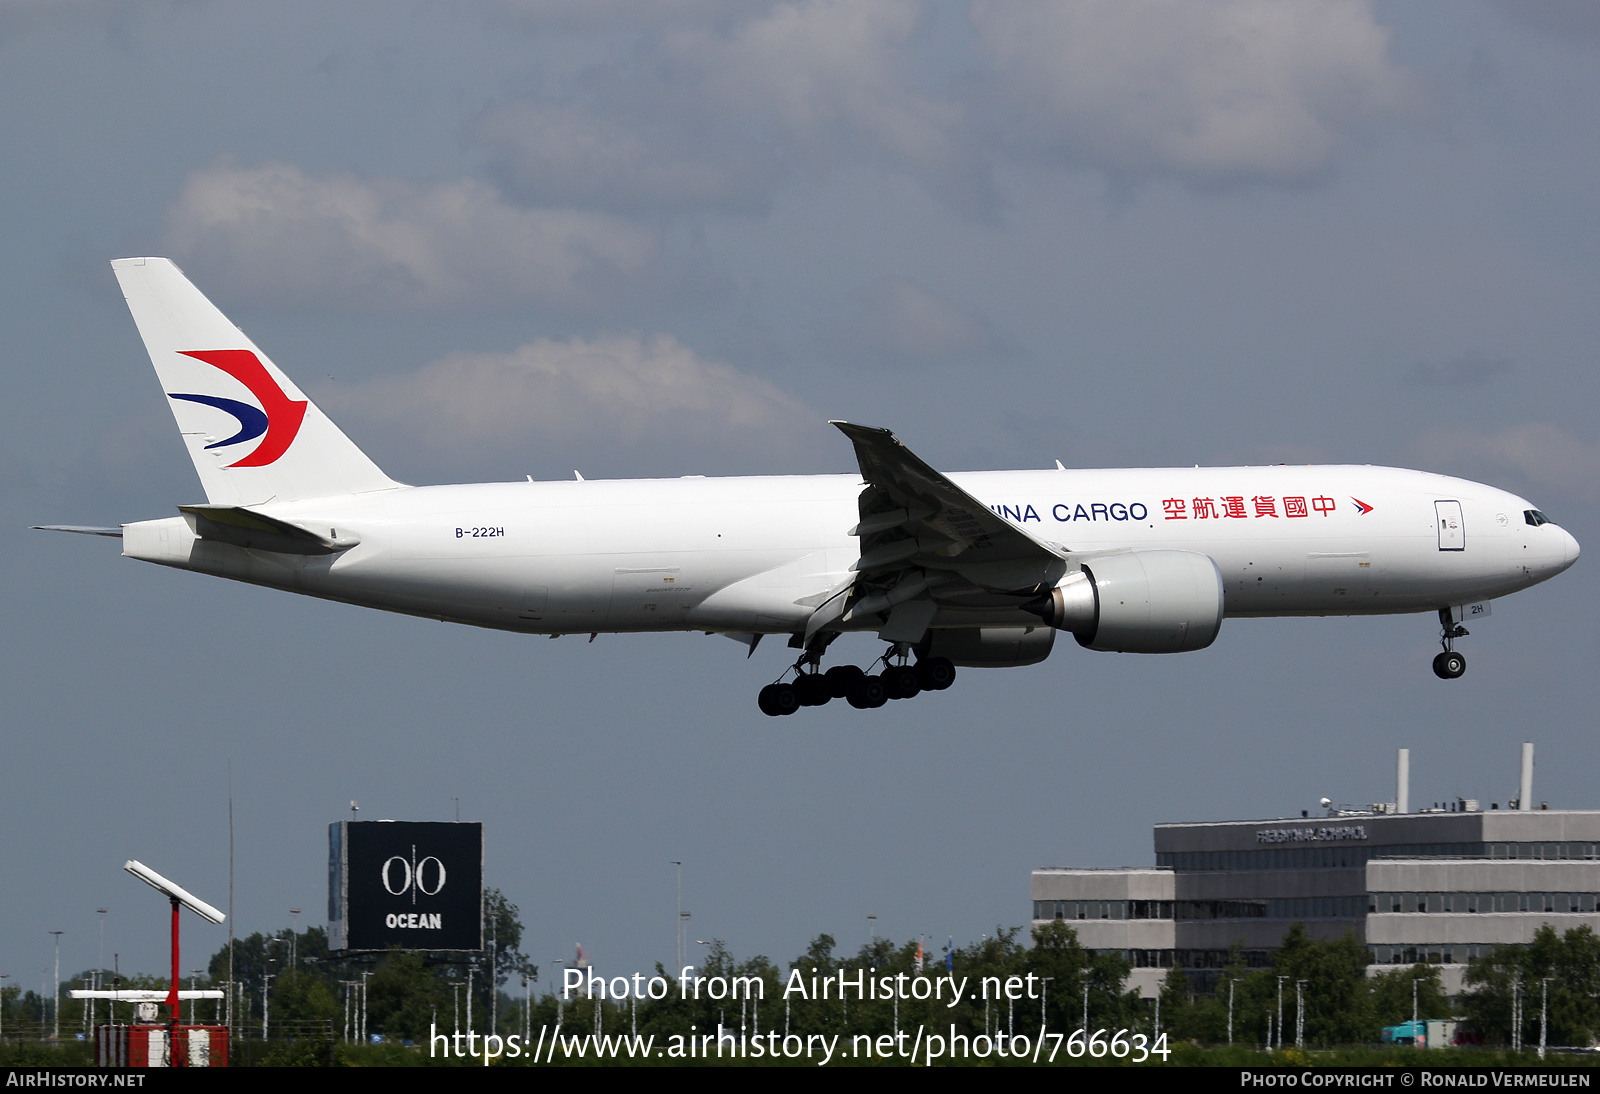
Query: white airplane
[[973, 569]]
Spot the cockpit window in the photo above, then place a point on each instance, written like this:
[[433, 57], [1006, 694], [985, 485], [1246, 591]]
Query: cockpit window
[[1534, 517]]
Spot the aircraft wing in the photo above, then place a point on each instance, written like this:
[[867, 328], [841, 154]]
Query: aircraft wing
[[924, 539]]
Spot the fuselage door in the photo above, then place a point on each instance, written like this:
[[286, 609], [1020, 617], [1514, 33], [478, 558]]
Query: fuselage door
[[1452, 532]]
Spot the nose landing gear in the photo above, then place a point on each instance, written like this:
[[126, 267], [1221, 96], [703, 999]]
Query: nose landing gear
[[1449, 665]]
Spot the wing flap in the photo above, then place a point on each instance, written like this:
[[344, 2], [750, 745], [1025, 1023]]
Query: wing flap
[[923, 540], [913, 516]]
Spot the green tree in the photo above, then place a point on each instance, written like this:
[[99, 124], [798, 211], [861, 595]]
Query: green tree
[[1391, 995], [1337, 1002], [404, 997], [1059, 959], [303, 1004], [1572, 964], [1181, 1013]]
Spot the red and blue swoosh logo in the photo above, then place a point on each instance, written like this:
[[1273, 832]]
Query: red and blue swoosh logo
[[276, 421]]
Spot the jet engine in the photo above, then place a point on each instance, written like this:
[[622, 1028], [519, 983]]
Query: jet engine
[[989, 647], [1138, 602]]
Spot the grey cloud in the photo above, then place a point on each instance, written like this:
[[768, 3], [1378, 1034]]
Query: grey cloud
[[718, 116], [20, 16], [1541, 455], [618, 15], [1569, 20], [277, 235], [570, 153], [1236, 91], [898, 323], [1466, 371]]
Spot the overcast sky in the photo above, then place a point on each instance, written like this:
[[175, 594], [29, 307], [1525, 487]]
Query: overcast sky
[[516, 237]]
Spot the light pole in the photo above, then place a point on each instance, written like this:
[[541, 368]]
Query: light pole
[[266, 986], [1086, 1008], [1279, 1026], [4, 976], [1516, 1015], [561, 996], [872, 928], [1544, 1011], [678, 921], [1415, 980], [100, 966], [1231, 983], [1300, 1013], [55, 986]]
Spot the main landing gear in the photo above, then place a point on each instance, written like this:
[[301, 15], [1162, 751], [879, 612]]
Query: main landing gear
[[1449, 665], [899, 680]]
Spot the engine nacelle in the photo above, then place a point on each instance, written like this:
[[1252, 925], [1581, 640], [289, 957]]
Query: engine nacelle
[[989, 647], [1139, 602]]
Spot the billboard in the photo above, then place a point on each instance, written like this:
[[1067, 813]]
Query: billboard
[[413, 884]]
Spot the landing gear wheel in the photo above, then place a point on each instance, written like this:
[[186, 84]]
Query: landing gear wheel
[[812, 690], [868, 693], [901, 681], [841, 678], [776, 700], [936, 673], [1449, 665]]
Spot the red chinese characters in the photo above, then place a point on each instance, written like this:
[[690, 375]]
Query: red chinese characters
[[1238, 507]]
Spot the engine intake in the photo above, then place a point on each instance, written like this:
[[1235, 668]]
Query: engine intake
[[1139, 602]]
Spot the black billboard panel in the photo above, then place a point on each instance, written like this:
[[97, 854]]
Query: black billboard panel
[[413, 884]]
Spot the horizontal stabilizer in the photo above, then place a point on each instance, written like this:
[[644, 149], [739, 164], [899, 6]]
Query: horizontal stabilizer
[[81, 529], [246, 528]]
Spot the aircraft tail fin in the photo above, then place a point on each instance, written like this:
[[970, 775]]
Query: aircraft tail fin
[[253, 435]]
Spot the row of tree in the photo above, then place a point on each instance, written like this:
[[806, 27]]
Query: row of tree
[[1344, 1005], [1005, 986]]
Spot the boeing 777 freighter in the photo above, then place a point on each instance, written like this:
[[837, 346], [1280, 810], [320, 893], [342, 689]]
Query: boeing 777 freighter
[[972, 569]]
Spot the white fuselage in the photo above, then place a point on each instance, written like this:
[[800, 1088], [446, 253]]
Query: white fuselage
[[759, 554]]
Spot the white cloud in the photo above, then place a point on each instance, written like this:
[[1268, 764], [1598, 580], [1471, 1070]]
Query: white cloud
[[276, 233], [624, 388], [1216, 92]]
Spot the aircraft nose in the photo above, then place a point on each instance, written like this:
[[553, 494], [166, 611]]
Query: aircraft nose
[[1569, 549]]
